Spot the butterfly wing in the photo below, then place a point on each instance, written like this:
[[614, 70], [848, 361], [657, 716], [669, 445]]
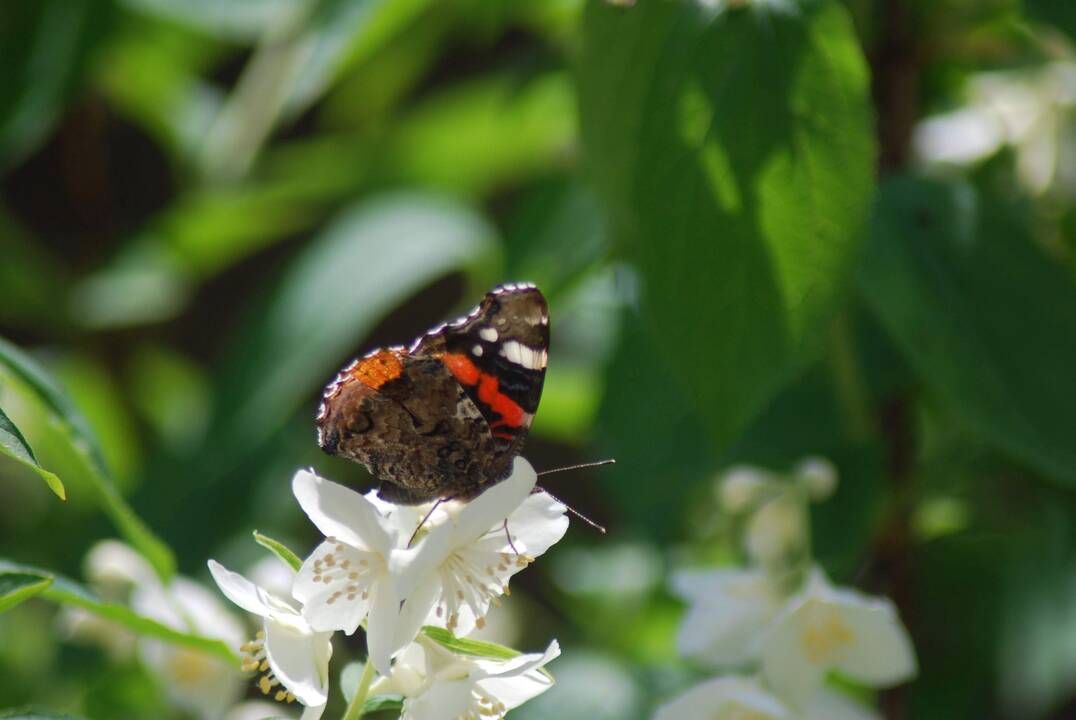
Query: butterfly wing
[[498, 354]]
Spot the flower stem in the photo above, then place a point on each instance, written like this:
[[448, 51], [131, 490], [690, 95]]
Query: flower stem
[[354, 708]]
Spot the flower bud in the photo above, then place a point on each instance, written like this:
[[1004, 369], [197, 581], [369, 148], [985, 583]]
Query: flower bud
[[740, 487], [818, 476], [776, 531]]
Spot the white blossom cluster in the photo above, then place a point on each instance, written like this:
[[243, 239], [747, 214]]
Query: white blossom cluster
[[392, 570], [776, 629]]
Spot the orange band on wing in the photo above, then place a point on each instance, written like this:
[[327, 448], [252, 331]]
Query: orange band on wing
[[467, 373], [461, 367], [376, 370], [511, 413]]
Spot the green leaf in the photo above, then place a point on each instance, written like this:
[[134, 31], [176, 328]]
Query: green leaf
[[658, 439], [474, 648], [279, 549], [984, 317], [68, 592], [382, 704], [35, 715], [15, 587], [291, 67], [42, 50], [464, 646], [480, 135], [734, 148], [1061, 15], [14, 445], [344, 32], [66, 417]]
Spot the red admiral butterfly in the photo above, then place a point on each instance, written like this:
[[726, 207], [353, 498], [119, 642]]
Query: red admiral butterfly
[[445, 417]]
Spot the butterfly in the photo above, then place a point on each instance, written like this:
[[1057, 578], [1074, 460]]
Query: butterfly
[[446, 416]]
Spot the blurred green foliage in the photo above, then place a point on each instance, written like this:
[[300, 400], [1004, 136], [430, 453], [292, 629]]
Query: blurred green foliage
[[766, 229]]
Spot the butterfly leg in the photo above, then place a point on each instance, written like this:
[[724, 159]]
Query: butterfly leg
[[424, 519], [509, 536]]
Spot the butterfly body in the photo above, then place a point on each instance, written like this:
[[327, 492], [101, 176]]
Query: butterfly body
[[445, 417]]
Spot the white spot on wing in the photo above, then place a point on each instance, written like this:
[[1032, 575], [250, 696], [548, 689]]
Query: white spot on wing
[[528, 357], [488, 334], [477, 350]]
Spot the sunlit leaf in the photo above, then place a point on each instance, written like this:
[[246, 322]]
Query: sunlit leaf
[[733, 144], [282, 551], [233, 19], [67, 592], [956, 278], [474, 648], [466, 646], [479, 135], [292, 65], [14, 446], [85, 447], [342, 32], [16, 587]]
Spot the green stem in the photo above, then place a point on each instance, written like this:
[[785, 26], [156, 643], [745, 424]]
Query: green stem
[[354, 708]]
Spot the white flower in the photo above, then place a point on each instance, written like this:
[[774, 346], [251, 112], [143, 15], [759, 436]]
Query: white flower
[[193, 679], [114, 567], [440, 685], [349, 577], [826, 628], [463, 565], [725, 698], [727, 614], [743, 698], [777, 530], [829, 705], [288, 650], [818, 476]]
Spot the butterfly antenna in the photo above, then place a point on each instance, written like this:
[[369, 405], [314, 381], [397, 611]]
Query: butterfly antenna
[[572, 510], [581, 466]]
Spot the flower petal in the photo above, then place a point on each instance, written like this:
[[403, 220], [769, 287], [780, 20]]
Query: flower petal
[[241, 591], [405, 519], [113, 562], [829, 705], [493, 506], [312, 712], [381, 629], [724, 697], [519, 679], [340, 512], [444, 699], [417, 610], [728, 612], [786, 666], [881, 654], [538, 524], [300, 660], [334, 586], [414, 566]]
